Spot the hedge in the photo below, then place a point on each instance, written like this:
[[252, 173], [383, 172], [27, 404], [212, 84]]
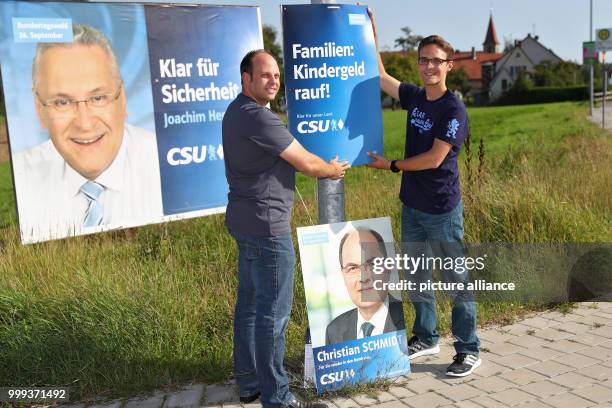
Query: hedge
[[544, 94]]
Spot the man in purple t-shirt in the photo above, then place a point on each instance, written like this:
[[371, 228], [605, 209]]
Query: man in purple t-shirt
[[432, 214]]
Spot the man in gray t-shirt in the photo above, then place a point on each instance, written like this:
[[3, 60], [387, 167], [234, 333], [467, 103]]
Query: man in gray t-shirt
[[261, 182], [261, 158]]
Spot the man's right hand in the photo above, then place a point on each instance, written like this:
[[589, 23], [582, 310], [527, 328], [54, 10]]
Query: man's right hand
[[339, 168], [311, 164]]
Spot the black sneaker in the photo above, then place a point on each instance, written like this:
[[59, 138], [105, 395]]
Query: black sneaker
[[463, 364], [296, 403], [250, 398], [417, 348]]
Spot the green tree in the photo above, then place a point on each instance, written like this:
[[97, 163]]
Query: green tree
[[271, 45], [597, 77], [561, 73], [408, 42], [522, 85], [402, 66], [457, 79]]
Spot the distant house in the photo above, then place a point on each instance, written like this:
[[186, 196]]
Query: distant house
[[523, 57], [491, 72], [479, 66]]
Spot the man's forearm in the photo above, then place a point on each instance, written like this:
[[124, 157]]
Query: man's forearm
[[323, 170], [423, 161], [318, 167]]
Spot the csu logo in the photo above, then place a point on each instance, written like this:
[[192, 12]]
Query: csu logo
[[319, 126], [331, 378], [194, 154]]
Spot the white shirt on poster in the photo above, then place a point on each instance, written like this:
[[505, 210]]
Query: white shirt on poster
[[50, 204], [378, 320]]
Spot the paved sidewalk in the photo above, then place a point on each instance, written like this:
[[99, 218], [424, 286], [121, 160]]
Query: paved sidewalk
[[596, 118], [547, 360]]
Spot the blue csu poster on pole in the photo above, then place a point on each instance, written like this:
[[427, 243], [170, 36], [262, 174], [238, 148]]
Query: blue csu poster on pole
[[114, 110], [357, 324], [332, 80]]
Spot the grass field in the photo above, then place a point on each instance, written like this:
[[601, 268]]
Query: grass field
[[130, 311]]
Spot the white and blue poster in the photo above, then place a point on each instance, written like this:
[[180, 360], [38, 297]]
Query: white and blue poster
[[357, 324], [332, 81], [114, 110]]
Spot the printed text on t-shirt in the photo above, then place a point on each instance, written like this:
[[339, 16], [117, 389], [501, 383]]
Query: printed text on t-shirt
[[418, 119]]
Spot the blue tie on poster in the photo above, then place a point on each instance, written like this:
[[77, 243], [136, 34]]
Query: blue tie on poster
[[127, 96], [332, 80]]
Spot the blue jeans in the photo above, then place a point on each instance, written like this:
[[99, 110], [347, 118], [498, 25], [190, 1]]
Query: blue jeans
[[439, 235], [263, 306]]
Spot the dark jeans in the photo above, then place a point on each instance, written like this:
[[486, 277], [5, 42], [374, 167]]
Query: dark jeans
[[263, 306], [439, 235]]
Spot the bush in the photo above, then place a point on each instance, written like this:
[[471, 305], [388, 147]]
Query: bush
[[544, 94]]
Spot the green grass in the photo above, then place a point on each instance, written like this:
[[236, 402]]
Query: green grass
[[131, 311]]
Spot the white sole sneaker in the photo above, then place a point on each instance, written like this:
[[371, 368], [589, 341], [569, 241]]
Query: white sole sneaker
[[426, 352], [477, 364]]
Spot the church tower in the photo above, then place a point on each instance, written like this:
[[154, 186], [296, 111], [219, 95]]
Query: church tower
[[491, 43]]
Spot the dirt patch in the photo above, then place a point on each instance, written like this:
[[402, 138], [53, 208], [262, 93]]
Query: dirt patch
[[4, 154]]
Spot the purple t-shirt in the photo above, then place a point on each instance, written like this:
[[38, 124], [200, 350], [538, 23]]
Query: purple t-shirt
[[434, 191]]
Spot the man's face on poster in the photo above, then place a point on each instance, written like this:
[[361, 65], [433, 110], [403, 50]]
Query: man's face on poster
[[88, 133], [358, 254]]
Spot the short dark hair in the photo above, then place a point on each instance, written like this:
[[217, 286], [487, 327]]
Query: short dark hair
[[440, 42], [246, 65], [376, 235]]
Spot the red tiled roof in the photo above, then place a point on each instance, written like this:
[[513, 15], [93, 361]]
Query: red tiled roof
[[473, 67]]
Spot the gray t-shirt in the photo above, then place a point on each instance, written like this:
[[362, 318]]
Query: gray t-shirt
[[261, 183]]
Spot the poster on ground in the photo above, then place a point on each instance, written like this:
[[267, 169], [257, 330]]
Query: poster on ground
[[332, 82], [114, 110], [357, 325]]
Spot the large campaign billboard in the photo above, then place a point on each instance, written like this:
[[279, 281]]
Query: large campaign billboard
[[357, 325], [114, 111], [332, 82]]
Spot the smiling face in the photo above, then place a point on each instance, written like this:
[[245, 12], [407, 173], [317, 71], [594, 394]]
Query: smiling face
[[264, 83], [88, 138], [433, 75], [360, 248]]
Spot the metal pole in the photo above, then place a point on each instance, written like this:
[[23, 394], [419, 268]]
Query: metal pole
[[603, 101], [603, 90], [330, 193], [330, 203], [592, 67]]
